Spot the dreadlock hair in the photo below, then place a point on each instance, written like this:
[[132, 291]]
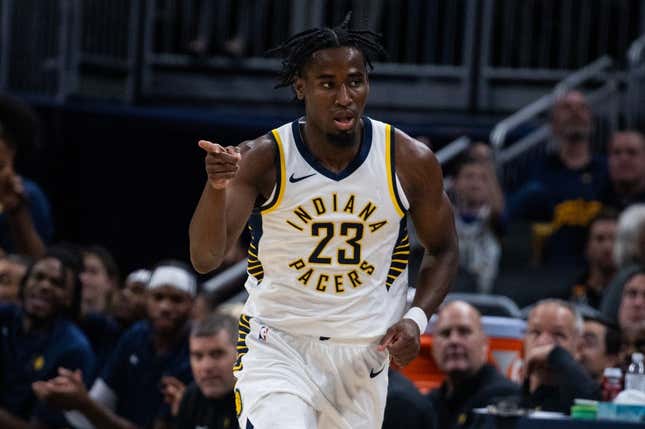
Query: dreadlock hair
[[297, 50]]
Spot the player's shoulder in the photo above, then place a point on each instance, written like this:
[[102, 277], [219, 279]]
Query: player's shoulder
[[413, 156], [259, 149], [410, 149], [416, 165]]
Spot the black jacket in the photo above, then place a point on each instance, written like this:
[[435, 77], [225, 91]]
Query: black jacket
[[482, 389], [405, 406], [572, 382]]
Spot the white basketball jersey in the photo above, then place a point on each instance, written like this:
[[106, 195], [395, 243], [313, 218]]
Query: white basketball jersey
[[329, 251]]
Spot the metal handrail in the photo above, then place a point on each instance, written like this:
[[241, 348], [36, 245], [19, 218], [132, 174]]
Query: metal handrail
[[636, 50], [452, 149], [500, 132]]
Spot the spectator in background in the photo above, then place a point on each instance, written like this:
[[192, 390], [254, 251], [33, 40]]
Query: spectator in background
[[630, 237], [565, 189], [552, 377], [460, 349], [203, 306], [629, 254], [626, 156], [479, 210], [633, 341], [406, 406], [600, 347], [129, 303], [12, 271], [100, 278], [25, 216], [127, 394], [631, 311], [208, 402], [40, 338], [599, 254]]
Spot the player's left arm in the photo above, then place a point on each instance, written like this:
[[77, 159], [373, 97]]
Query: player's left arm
[[431, 212]]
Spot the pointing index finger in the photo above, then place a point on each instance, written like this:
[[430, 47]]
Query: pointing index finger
[[210, 147]]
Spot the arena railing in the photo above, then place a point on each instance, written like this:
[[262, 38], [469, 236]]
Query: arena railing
[[635, 96], [430, 65], [107, 47], [35, 43], [528, 46], [523, 137]]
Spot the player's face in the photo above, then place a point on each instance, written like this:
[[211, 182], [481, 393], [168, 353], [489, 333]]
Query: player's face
[[168, 308], [631, 312], [334, 87], [551, 324], [459, 346], [47, 289], [211, 359], [626, 158]]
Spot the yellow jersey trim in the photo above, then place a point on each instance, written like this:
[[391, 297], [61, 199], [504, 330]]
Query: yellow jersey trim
[[389, 167], [282, 175]]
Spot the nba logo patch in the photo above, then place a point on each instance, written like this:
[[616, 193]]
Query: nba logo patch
[[264, 333]]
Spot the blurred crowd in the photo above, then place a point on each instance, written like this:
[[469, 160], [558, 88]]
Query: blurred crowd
[[81, 346]]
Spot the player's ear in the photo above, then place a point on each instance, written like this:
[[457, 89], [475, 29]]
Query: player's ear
[[299, 88]]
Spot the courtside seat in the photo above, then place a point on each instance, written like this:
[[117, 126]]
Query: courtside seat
[[505, 350]]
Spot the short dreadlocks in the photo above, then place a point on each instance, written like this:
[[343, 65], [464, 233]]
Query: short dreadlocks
[[297, 50]]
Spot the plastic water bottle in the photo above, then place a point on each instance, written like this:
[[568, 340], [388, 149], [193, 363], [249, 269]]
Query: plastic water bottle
[[635, 377]]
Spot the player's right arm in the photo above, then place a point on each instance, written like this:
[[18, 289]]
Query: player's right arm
[[236, 178]]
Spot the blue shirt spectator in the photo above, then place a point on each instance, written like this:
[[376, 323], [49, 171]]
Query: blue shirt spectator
[[128, 393], [31, 356], [134, 373]]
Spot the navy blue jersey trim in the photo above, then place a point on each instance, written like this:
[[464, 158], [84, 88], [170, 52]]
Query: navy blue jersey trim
[[400, 255], [254, 265], [366, 143]]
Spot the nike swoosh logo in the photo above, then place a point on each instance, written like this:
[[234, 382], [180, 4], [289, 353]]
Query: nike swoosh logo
[[374, 374], [298, 179]]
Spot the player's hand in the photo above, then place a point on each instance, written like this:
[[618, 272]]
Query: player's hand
[[173, 391], [12, 191], [221, 163], [402, 340], [67, 391], [537, 358]]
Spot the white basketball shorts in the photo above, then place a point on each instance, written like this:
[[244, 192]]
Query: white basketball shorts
[[284, 381]]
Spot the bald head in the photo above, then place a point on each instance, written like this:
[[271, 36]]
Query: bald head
[[553, 322], [459, 345]]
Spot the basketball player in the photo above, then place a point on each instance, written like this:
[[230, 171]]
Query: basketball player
[[328, 196]]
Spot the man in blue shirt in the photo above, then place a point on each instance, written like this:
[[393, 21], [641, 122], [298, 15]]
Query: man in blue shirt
[[40, 338], [128, 393], [566, 188]]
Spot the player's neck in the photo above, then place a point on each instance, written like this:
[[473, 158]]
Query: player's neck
[[332, 156]]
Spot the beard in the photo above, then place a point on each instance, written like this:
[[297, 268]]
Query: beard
[[342, 139]]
